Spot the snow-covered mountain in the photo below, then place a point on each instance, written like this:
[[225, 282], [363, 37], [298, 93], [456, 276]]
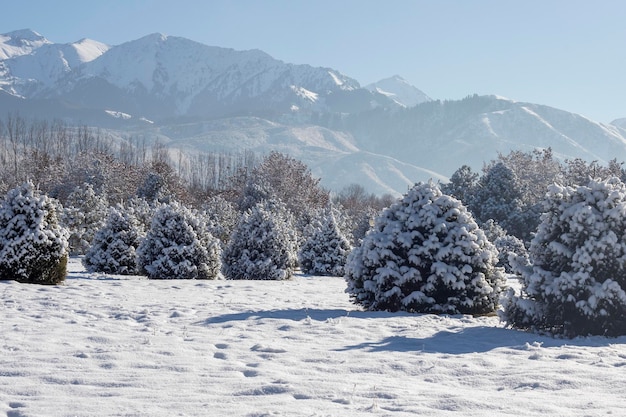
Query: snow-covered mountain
[[202, 98], [161, 76], [399, 90], [30, 63]]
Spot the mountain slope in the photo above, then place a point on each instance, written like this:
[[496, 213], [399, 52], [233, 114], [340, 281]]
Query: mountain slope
[[442, 136]]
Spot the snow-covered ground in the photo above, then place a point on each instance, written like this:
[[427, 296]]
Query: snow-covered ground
[[126, 346]]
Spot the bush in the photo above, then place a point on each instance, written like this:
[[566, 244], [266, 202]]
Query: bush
[[113, 250], [325, 249], [33, 246], [425, 254], [178, 245], [263, 245], [506, 245], [84, 214], [576, 276]]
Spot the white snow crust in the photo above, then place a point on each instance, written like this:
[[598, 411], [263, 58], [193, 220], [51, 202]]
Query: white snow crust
[[106, 345]]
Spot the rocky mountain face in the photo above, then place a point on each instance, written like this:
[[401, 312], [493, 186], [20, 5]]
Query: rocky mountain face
[[385, 136]]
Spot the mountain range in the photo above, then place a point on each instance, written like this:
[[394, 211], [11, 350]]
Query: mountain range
[[385, 136]]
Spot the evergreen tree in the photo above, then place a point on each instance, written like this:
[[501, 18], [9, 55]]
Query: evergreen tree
[[426, 254], [114, 245], [142, 210], [506, 245], [178, 245], [462, 184], [154, 188], [33, 246], [83, 215], [575, 281], [284, 178], [499, 197], [325, 249], [263, 245], [221, 218]]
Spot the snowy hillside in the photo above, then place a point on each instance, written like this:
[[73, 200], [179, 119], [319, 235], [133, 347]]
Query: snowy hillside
[[103, 345]]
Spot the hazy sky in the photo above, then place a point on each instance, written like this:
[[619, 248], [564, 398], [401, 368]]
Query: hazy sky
[[569, 54]]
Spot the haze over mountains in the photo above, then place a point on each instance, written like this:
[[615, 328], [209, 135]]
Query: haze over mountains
[[385, 136]]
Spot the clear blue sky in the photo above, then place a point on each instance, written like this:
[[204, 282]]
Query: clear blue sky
[[570, 54]]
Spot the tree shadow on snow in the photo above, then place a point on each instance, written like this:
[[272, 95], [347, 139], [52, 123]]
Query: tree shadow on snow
[[288, 314], [477, 339]]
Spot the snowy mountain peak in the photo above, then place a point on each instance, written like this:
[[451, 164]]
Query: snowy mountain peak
[[399, 90], [87, 49], [20, 42], [25, 35]]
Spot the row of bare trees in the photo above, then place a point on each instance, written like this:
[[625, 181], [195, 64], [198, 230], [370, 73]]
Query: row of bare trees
[[57, 157]]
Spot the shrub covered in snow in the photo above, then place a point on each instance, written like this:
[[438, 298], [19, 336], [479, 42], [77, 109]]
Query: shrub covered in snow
[[33, 246], [83, 215], [499, 195], [325, 249], [575, 281], [221, 217], [506, 245], [425, 253], [114, 245], [263, 245], [178, 245]]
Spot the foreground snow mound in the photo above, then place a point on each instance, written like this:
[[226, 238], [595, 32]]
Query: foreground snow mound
[[575, 282], [110, 345], [426, 253]]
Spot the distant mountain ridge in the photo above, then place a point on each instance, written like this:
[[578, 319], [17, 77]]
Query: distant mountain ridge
[[161, 76], [385, 136]]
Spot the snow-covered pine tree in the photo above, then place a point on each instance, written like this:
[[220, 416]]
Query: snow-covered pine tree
[[33, 245], [154, 188], [178, 245], [221, 216], [425, 254], [142, 210], [462, 184], [263, 245], [113, 250], [499, 196], [325, 249], [506, 245], [576, 280], [83, 215]]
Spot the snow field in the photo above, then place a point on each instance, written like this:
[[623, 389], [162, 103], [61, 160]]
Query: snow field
[[127, 346]]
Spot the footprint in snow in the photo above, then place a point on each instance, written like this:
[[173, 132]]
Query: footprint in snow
[[266, 349]]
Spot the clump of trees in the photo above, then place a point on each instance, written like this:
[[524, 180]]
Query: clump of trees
[[248, 217]]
